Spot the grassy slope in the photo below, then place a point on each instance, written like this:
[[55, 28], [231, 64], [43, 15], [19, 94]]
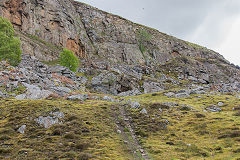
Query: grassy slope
[[191, 137], [89, 129]]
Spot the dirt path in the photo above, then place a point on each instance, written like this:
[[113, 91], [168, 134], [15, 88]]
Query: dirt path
[[128, 135]]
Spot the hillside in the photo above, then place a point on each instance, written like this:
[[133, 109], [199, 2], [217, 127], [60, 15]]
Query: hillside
[[137, 94]]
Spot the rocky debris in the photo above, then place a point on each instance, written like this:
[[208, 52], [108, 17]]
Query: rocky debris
[[81, 97], [187, 92], [22, 129], [134, 105], [133, 71], [198, 90], [64, 71], [105, 83], [169, 94], [39, 79], [152, 87], [213, 109], [108, 98], [133, 92], [229, 87], [62, 91], [88, 32], [34, 92], [48, 121]]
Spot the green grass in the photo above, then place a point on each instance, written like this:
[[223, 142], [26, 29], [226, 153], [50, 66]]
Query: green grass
[[190, 135], [87, 131], [44, 42]]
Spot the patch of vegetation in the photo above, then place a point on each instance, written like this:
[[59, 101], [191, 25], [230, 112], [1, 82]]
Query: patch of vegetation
[[88, 131], [143, 36], [36, 38], [69, 60], [189, 134], [197, 47], [9, 45]]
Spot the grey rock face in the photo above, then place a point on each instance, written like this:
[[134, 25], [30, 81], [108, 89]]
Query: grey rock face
[[81, 97], [22, 129], [88, 32]]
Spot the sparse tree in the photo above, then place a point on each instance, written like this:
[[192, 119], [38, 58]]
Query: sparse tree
[[69, 60], [9, 45]]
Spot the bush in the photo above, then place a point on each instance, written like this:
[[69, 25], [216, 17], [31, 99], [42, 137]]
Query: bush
[[9, 45], [143, 36], [68, 59]]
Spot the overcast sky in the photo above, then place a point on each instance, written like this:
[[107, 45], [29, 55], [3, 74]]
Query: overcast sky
[[211, 23]]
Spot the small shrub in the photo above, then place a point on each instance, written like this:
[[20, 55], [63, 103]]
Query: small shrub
[[69, 60], [143, 36], [9, 45]]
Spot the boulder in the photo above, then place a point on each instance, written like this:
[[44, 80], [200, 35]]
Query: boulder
[[62, 91], [81, 97], [144, 111], [182, 95], [22, 129], [152, 87], [108, 98], [34, 92], [48, 121], [134, 105], [213, 109], [220, 104]]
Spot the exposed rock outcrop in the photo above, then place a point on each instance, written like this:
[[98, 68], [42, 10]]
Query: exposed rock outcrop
[[122, 58]]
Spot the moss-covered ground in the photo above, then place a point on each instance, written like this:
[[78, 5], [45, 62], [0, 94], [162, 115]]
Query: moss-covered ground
[[191, 133], [88, 131]]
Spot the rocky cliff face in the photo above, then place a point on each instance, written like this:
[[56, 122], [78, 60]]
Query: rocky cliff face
[[47, 26], [138, 93]]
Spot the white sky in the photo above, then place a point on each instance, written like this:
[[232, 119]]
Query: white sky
[[214, 24]]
